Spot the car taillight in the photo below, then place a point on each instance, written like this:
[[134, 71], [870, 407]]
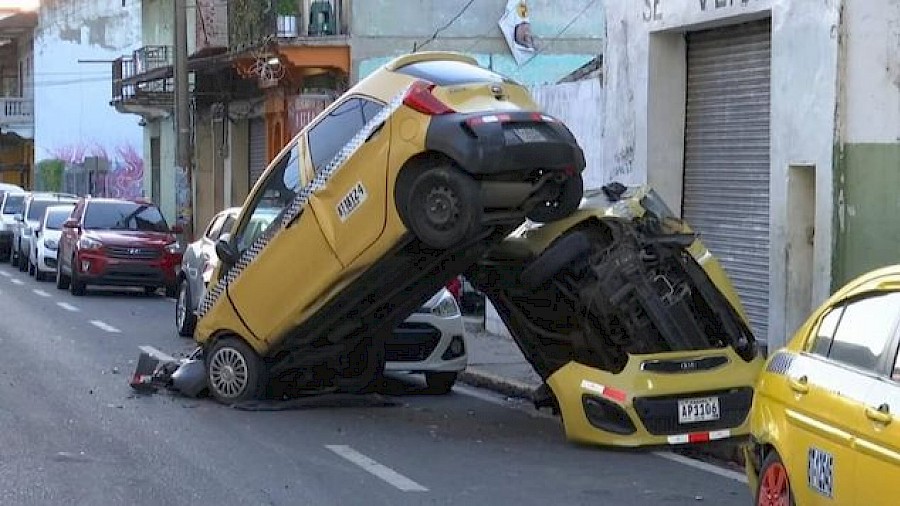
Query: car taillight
[[419, 98]]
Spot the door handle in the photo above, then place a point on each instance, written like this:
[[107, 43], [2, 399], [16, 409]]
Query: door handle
[[880, 415], [799, 385]]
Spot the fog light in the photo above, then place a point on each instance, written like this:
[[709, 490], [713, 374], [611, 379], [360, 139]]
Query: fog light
[[456, 349], [85, 266], [607, 416]]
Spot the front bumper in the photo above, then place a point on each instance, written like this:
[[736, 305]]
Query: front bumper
[[423, 343], [106, 271], [640, 408]]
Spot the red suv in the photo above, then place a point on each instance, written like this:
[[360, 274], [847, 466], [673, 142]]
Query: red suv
[[116, 242]]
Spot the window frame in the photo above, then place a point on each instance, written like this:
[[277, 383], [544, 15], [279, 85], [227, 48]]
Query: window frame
[[311, 130]]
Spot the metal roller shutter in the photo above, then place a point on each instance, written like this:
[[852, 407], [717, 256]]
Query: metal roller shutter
[[726, 156], [257, 149]]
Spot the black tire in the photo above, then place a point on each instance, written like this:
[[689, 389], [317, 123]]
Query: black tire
[[171, 291], [76, 286], [62, 281], [772, 460], [185, 319], [32, 269], [23, 262], [440, 382], [234, 372], [554, 259], [39, 275], [443, 206], [570, 194]]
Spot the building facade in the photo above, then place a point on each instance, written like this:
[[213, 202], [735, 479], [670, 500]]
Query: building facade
[[17, 96]]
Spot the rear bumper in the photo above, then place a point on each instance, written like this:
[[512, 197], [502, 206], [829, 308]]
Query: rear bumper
[[494, 148]]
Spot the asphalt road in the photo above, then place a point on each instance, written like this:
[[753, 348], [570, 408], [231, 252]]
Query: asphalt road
[[72, 432]]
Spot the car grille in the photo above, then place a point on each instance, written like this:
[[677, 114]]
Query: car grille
[[133, 253], [412, 342], [660, 414]]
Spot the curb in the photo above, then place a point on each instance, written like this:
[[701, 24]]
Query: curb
[[725, 453]]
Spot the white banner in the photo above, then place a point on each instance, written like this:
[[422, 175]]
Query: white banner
[[517, 29]]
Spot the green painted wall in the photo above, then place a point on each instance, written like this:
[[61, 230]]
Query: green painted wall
[[868, 223]]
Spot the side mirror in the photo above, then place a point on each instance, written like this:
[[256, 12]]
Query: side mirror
[[177, 229], [226, 251], [70, 223]]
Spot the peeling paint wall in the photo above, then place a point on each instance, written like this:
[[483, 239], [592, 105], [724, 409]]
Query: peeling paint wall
[[644, 81], [868, 149], [72, 111]]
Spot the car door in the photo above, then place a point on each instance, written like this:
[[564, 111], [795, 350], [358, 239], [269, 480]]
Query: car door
[[351, 207], [829, 384], [878, 447], [286, 273], [69, 238]]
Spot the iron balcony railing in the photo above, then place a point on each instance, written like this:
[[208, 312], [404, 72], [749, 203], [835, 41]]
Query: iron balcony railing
[[16, 110], [146, 72]]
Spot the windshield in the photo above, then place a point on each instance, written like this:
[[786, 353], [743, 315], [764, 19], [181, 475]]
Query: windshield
[[37, 208], [14, 204], [56, 217], [124, 216]]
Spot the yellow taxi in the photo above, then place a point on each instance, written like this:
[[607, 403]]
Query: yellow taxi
[[823, 427], [632, 323], [400, 184]]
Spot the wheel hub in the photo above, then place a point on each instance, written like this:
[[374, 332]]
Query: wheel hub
[[442, 206], [228, 372]]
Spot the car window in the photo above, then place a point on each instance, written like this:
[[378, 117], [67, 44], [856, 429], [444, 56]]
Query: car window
[[278, 190], [212, 231], [37, 208], [336, 129], [55, 219], [864, 329], [227, 225], [14, 204], [124, 216], [450, 73], [821, 344]]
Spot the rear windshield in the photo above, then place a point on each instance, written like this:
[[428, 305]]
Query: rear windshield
[[56, 217], [449, 73], [14, 204], [124, 216], [37, 208]]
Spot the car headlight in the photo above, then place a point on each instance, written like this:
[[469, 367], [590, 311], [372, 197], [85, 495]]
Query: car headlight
[[446, 307], [50, 244], [173, 248], [89, 243]]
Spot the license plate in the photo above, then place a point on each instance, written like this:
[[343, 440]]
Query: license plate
[[529, 134], [703, 409]]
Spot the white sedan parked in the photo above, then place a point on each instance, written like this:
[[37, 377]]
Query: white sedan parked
[[43, 250]]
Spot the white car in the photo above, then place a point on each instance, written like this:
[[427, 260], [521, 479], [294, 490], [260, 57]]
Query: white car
[[430, 341], [42, 257], [12, 202]]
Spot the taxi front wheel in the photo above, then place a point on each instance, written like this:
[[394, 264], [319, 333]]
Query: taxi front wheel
[[443, 206], [234, 372], [774, 487]]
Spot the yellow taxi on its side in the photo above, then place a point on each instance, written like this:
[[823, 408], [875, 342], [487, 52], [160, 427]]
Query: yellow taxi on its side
[[823, 427]]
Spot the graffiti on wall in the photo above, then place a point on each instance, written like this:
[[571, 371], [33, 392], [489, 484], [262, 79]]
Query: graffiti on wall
[[97, 170]]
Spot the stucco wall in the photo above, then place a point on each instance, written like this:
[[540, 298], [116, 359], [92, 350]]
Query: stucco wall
[[644, 70], [163, 128], [568, 34], [868, 150], [73, 117]]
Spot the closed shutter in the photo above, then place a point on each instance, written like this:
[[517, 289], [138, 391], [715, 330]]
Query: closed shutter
[[726, 156], [257, 149]]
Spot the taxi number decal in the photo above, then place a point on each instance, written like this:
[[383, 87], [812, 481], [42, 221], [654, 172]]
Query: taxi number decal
[[351, 202], [820, 471]]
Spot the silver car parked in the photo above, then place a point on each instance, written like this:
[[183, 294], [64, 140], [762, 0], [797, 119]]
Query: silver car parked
[[430, 341]]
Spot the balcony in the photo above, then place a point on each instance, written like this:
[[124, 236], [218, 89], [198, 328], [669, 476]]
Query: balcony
[[143, 79], [288, 22], [16, 111]]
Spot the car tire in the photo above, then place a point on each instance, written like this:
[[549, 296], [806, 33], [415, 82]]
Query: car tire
[[62, 281], [570, 194], [440, 382], [171, 291], [561, 253], [23, 262], [185, 319], [773, 481], [443, 206], [76, 286], [234, 372], [40, 275], [32, 269]]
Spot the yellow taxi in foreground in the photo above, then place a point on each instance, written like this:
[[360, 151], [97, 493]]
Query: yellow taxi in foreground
[[823, 423], [632, 323]]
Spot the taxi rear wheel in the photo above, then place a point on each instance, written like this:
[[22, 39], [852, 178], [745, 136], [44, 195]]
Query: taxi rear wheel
[[443, 206], [774, 487]]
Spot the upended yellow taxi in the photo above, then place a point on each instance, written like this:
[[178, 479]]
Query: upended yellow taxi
[[399, 185], [634, 326], [824, 424]]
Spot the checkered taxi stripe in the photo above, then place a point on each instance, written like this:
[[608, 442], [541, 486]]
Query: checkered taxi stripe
[[212, 296], [780, 363]]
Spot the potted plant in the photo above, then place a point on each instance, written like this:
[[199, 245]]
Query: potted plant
[[287, 12]]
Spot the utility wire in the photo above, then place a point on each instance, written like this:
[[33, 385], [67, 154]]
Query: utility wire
[[437, 32]]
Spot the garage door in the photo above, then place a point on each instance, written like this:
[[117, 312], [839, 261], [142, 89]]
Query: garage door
[[726, 156], [257, 149]]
